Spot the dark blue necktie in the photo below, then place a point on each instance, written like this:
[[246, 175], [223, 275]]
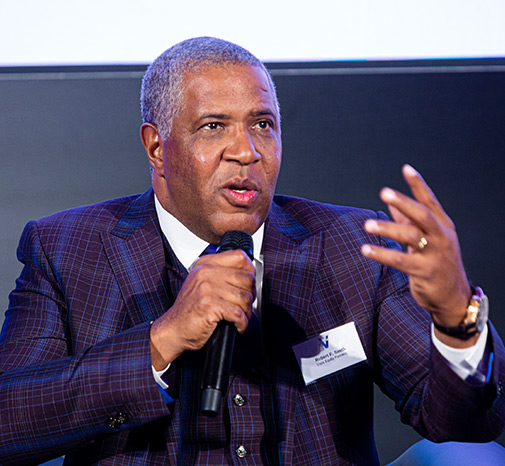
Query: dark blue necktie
[[210, 249]]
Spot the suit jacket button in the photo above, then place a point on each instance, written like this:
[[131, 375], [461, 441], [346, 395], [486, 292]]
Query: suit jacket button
[[241, 451], [239, 400], [117, 420]]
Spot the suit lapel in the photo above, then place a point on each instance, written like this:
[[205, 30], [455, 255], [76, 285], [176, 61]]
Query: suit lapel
[[135, 252], [291, 255]]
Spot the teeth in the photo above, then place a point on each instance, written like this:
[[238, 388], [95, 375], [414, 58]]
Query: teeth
[[239, 190]]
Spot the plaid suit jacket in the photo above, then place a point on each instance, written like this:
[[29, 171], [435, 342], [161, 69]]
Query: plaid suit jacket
[[75, 358]]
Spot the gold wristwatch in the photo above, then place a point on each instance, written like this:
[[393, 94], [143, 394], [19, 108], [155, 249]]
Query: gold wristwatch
[[475, 319]]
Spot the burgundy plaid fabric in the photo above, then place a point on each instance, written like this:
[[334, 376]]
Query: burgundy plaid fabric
[[75, 358]]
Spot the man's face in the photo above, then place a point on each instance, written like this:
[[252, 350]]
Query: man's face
[[221, 162]]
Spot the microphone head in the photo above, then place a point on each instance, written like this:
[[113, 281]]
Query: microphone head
[[237, 239]]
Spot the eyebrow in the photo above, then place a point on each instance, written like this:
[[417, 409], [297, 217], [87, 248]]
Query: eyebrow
[[263, 113], [225, 116], [214, 116]]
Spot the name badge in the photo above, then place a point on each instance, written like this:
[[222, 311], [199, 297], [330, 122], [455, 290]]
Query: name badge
[[329, 352]]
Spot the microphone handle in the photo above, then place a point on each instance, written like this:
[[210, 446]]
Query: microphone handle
[[216, 371], [217, 367]]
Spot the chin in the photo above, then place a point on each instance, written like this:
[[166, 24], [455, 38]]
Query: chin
[[246, 223]]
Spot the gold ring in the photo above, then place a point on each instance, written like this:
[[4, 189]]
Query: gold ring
[[422, 243]]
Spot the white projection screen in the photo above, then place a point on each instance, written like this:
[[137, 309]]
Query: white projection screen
[[84, 32]]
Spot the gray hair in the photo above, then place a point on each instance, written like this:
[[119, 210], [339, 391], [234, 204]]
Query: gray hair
[[161, 91]]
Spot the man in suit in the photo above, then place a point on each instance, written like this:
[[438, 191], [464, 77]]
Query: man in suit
[[101, 350]]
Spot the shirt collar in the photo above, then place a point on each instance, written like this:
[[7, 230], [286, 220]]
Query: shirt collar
[[186, 245]]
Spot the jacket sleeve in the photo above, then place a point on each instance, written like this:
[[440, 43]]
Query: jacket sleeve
[[428, 393], [52, 400]]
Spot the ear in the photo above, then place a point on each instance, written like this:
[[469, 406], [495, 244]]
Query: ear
[[153, 145]]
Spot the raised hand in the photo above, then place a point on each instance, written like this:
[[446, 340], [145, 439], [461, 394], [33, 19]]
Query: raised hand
[[432, 258]]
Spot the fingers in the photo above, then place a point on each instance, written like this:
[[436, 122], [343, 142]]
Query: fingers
[[230, 266], [412, 265], [406, 210], [234, 259], [417, 222], [225, 298], [409, 235], [229, 277], [397, 215], [218, 287], [422, 191], [424, 209], [235, 313]]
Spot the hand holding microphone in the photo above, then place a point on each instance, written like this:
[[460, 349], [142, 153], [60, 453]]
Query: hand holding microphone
[[219, 350], [219, 287]]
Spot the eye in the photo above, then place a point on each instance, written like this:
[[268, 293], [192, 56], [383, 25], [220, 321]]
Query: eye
[[264, 124], [213, 125]]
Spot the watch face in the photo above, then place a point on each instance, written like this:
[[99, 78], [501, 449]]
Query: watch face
[[480, 313], [483, 313]]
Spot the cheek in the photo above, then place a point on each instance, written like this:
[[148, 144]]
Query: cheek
[[204, 156], [205, 165], [181, 181], [183, 167], [177, 176], [197, 178], [272, 167]]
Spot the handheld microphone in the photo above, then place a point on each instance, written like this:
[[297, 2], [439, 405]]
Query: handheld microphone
[[216, 370]]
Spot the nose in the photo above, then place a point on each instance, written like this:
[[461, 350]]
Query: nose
[[241, 148]]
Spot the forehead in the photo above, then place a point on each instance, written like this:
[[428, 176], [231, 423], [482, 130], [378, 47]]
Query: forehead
[[234, 86]]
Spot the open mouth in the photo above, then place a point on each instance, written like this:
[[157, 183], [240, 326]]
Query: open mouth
[[241, 193]]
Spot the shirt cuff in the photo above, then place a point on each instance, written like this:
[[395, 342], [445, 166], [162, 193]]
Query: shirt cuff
[[464, 361], [157, 377]]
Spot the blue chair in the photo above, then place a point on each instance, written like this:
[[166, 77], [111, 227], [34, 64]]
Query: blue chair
[[426, 453], [55, 462]]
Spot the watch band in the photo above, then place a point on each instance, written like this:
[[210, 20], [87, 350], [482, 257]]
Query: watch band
[[476, 317]]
